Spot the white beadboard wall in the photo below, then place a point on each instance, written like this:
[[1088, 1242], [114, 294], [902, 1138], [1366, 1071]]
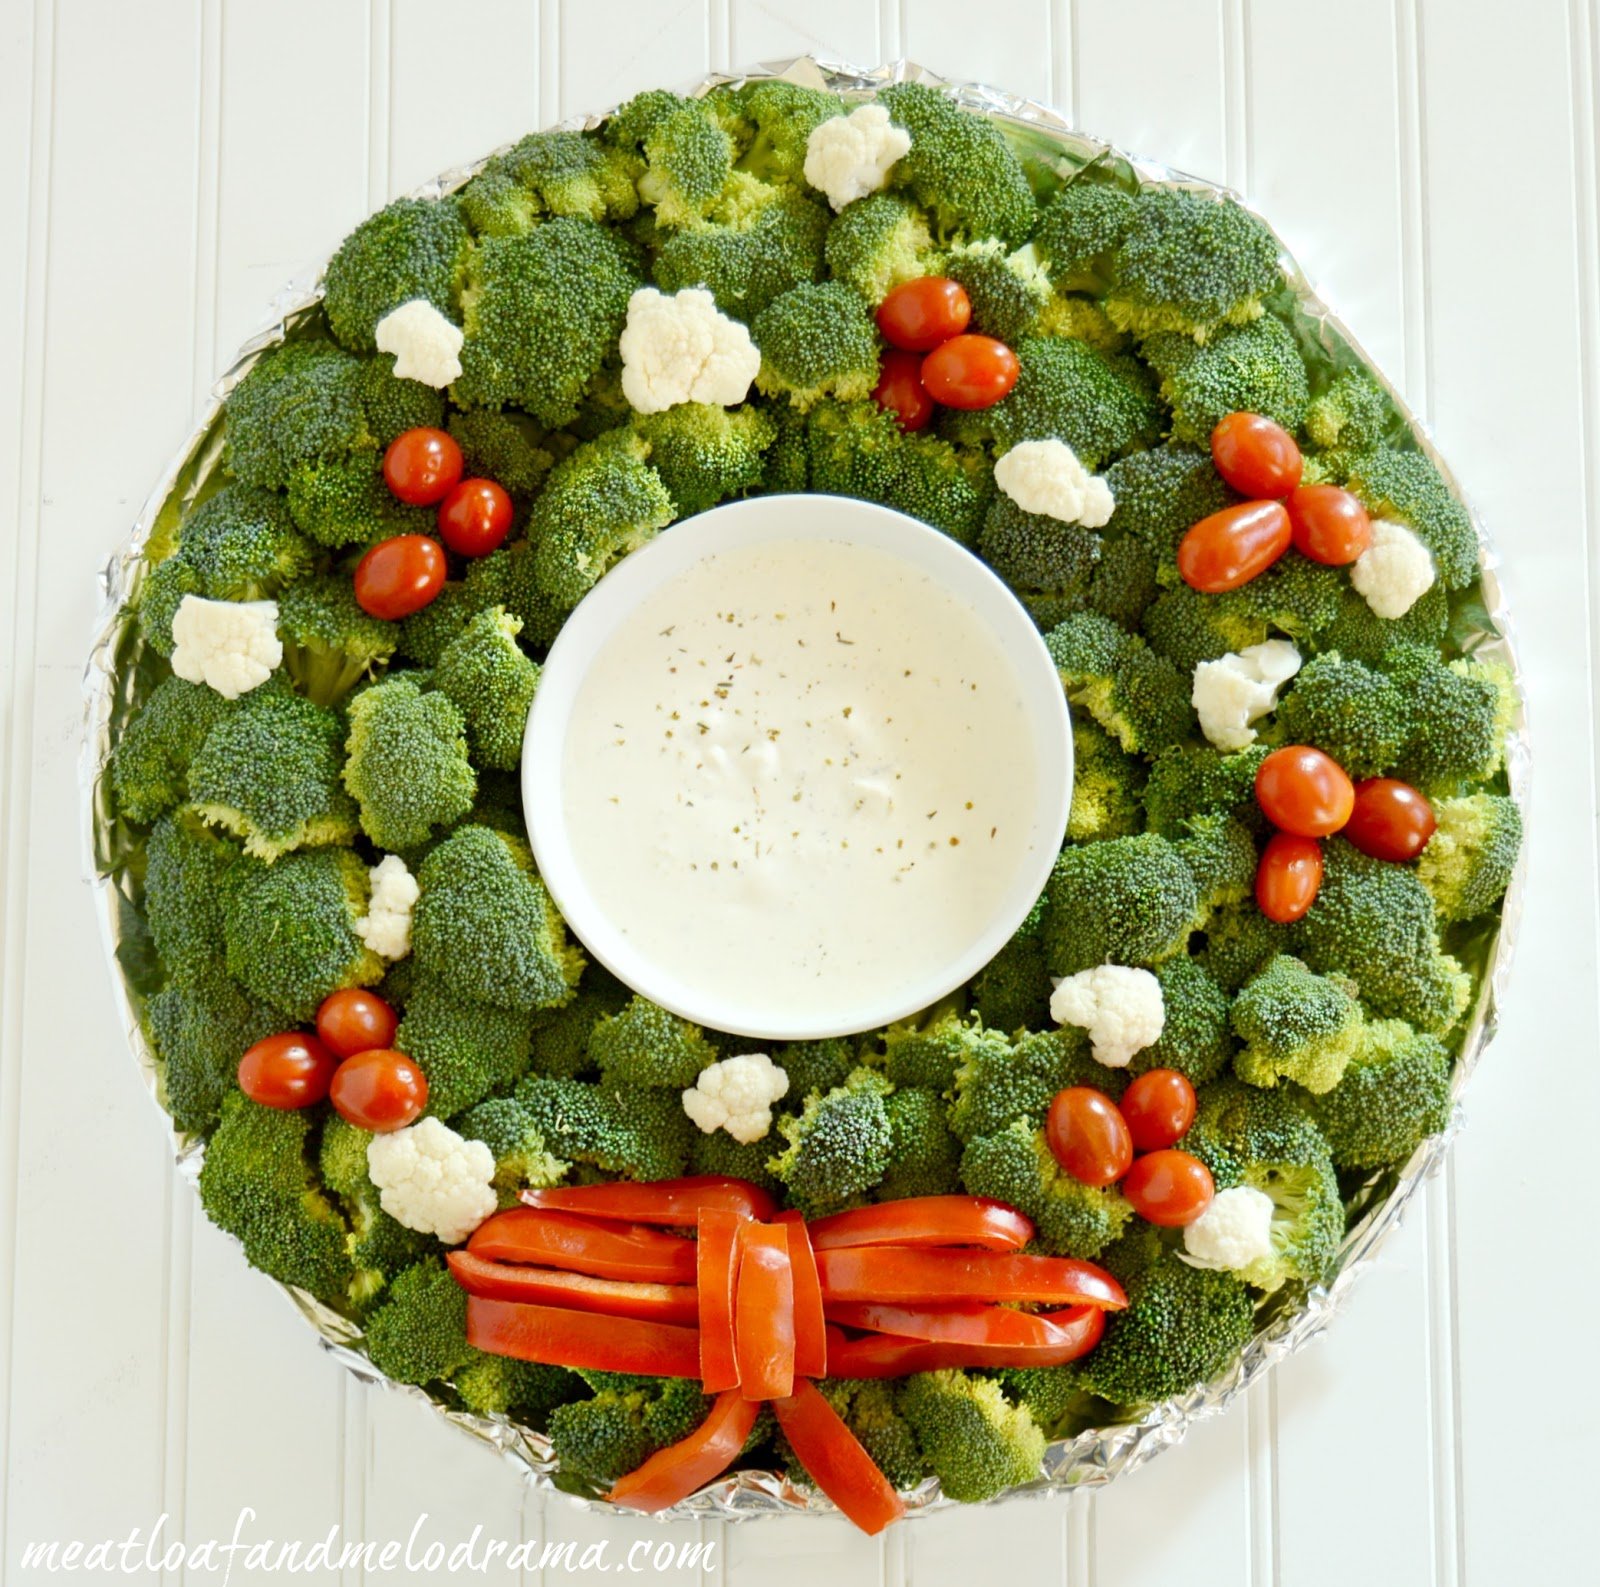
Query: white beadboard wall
[[165, 165]]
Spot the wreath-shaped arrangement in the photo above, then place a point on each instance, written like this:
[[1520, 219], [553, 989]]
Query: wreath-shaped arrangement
[[1145, 1138]]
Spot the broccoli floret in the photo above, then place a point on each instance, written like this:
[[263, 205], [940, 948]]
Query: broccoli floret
[[1138, 697], [503, 578], [817, 340], [838, 1147], [1468, 862], [419, 1333], [1461, 712], [1012, 991], [644, 1045], [770, 121], [1359, 633], [1186, 627], [407, 768], [554, 173], [705, 453], [541, 312], [1240, 940], [815, 1065], [751, 258], [624, 1424], [1162, 493], [1036, 552], [1008, 291], [1221, 853], [485, 924], [244, 545], [1189, 781], [1406, 486], [1254, 367], [877, 242], [490, 679], [1195, 1036], [1395, 1092], [719, 1153], [1079, 231], [291, 928], [999, 1083], [1347, 709], [508, 1129], [329, 642], [1182, 1325], [257, 1184], [1122, 901], [268, 772], [1297, 596], [505, 447], [924, 1157], [1295, 1026], [412, 248], [1353, 413], [185, 866], [380, 1246], [1124, 582], [341, 502], [960, 167], [601, 503], [160, 595], [688, 161], [1106, 783], [561, 1038], [149, 764], [467, 1049], [1015, 1165], [1045, 1393], [929, 1053], [637, 1131], [976, 1441], [527, 1390], [868, 1408], [1190, 263]]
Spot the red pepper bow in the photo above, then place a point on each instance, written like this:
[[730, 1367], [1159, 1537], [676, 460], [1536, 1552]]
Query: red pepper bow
[[582, 1276]]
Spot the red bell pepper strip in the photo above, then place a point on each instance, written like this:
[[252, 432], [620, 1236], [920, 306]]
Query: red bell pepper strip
[[835, 1460], [584, 1245], [657, 1201], [675, 1472], [896, 1273], [810, 1340], [926, 1220], [718, 1251], [671, 1303], [964, 1323], [763, 1313], [563, 1338], [891, 1356]]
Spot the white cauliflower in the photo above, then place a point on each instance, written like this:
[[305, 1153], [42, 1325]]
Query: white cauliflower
[[736, 1095], [1394, 572], [850, 156], [426, 346], [232, 646], [1234, 1232], [1234, 690], [1046, 477], [386, 926], [684, 349], [432, 1180], [1120, 1007]]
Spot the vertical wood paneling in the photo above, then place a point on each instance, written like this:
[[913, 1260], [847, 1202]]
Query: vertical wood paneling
[[770, 30], [805, 1550], [955, 1547], [611, 49], [1010, 46]]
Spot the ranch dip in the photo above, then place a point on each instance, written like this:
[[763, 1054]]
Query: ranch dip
[[797, 771]]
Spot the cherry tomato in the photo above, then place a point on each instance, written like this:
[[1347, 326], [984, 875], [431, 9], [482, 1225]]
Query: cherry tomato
[[1328, 524], [1159, 1107], [1391, 820], [475, 517], [287, 1071], [1088, 1136], [1233, 546], [1302, 790], [1288, 877], [918, 315], [421, 466], [900, 389], [379, 1090], [400, 576], [1255, 455], [969, 372], [1169, 1187], [355, 1020]]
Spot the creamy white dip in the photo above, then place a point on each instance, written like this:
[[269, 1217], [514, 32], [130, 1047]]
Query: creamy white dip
[[798, 772]]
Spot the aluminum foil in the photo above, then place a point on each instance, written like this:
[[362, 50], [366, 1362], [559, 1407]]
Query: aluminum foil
[[119, 673]]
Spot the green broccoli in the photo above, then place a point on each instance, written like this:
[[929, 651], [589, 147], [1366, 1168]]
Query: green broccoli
[[407, 768], [999, 1083], [1138, 697], [924, 1157], [1124, 581], [751, 258], [1221, 854], [1190, 781], [521, 1158], [639, 1132], [877, 242], [816, 340], [601, 503], [719, 1153], [244, 545], [1035, 552], [467, 1049], [1461, 713], [770, 121], [1162, 493], [1406, 486], [1347, 709], [1395, 1092], [1468, 862], [1359, 633], [624, 1424], [345, 501], [507, 447], [705, 453], [1295, 1025], [492, 682], [976, 1441], [960, 167], [419, 1332], [149, 764], [1047, 1394], [928, 1052], [1012, 991], [815, 1065], [1297, 596], [494, 580], [1015, 1165], [412, 248], [688, 161], [644, 1045], [160, 594], [541, 312], [1185, 626], [1008, 291], [1079, 230], [561, 1037], [186, 864], [868, 1408], [551, 173], [839, 1146], [485, 924], [380, 1246], [1121, 901], [269, 773], [1255, 367], [329, 642], [1240, 940], [526, 1390], [1195, 1038], [1353, 413]]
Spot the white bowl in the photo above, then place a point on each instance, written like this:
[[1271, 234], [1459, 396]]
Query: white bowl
[[740, 524]]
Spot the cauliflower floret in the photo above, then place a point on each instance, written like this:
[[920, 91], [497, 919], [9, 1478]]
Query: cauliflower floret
[[1120, 1007], [684, 349], [432, 1180], [232, 646], [1394, 572], [1234, 690], [850, 156], [736, 1095], [1046, 477], [1234, 1232], [386, 926], [426, 346]]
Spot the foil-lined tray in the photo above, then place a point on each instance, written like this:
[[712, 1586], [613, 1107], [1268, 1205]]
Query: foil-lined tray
[[120, 672]]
